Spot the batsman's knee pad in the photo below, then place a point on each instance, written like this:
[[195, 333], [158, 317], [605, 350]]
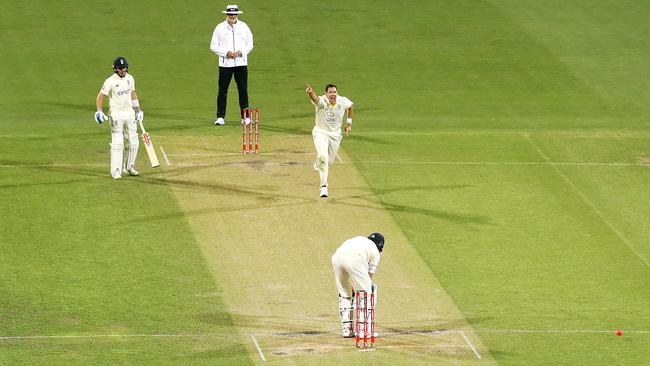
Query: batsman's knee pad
[[117, 140], [133, 142], [346, 309]]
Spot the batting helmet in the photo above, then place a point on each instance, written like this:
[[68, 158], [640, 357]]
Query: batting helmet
[[378, 239], [120, 63]]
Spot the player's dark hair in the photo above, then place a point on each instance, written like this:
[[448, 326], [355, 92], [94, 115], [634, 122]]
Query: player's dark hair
[[330, 86]]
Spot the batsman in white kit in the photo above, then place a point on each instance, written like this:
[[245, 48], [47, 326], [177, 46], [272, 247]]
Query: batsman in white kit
[[355, 262], [123, 114], [330, 110]]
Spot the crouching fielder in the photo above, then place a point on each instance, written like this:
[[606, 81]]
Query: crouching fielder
[[123, 113], [355, 262]]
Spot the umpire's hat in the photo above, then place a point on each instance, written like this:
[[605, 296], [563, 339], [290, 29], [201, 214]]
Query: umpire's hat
[[232, 9]]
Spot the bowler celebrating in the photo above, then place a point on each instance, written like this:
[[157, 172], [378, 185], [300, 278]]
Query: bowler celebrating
[[330, 110]]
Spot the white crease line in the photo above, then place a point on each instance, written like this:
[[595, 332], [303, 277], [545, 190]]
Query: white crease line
[[259, 350], [499, 163], [556, 331], [470, 345], [49, 165], [478, 163], [591, 204], [109, 336], [239, 154], [241, 163], [376, 346], [164, 154], [334, 334]]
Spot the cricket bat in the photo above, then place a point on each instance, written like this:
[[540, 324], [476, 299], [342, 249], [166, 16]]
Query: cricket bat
[[153, 158]]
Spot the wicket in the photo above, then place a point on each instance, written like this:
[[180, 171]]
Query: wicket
[[247, 131], [364, 322]]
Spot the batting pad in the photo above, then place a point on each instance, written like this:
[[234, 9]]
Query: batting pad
[[345, 309], [117, 151]]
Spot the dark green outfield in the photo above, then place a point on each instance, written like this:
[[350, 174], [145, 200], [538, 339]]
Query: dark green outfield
[[461, 107]]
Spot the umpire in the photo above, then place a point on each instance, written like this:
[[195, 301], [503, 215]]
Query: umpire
[[232, 41]]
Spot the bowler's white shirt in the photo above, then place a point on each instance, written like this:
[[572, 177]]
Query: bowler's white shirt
[[361, 249], [237, 37], [329, 117], [119, 90]]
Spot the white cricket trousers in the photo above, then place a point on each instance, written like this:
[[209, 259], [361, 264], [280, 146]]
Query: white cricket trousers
[[123, 126], [350, 273], [327, 146]]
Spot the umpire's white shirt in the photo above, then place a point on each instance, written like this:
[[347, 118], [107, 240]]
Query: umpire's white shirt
[[237, 37], [329, 117], [359, 250], [119, 90]]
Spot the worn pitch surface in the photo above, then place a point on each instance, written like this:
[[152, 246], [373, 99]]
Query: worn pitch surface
[[268, 239]]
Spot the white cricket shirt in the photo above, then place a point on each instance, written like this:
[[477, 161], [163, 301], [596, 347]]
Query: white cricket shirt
[[329, 118], [237, 37], [361, 249], [119, 91]]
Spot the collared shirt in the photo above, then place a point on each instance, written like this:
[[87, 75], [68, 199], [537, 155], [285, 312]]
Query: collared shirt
[[360, 249], [119, 91], [237, 37], [329, 117]]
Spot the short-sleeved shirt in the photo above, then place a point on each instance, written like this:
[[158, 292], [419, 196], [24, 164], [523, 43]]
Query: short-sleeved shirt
[[119, 90], [362, 249], [329, 118]]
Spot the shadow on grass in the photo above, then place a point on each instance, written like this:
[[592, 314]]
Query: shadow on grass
[[268, 196], [370, 198], [283, 327], [217, 318], [437, 325]]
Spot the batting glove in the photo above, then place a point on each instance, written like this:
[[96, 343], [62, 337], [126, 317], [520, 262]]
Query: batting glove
[[100, 117], [139, 116]]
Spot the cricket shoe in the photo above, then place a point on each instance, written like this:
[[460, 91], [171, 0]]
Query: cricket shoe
[[323, 192], [117, 174], [375, 334], [219, 122], [132, 172], [348, 333]]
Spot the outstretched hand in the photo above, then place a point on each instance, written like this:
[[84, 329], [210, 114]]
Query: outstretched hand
[[309, 89]]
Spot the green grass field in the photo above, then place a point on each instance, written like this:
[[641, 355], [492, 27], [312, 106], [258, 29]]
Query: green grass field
[[500, 145]]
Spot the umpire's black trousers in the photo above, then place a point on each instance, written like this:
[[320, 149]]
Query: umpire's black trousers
[[241, 78]]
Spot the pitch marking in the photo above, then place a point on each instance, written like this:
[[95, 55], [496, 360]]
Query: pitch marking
[[164, 154], [585, 199], [478, 163], [259, 350], [470, 345], [205, 335]]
